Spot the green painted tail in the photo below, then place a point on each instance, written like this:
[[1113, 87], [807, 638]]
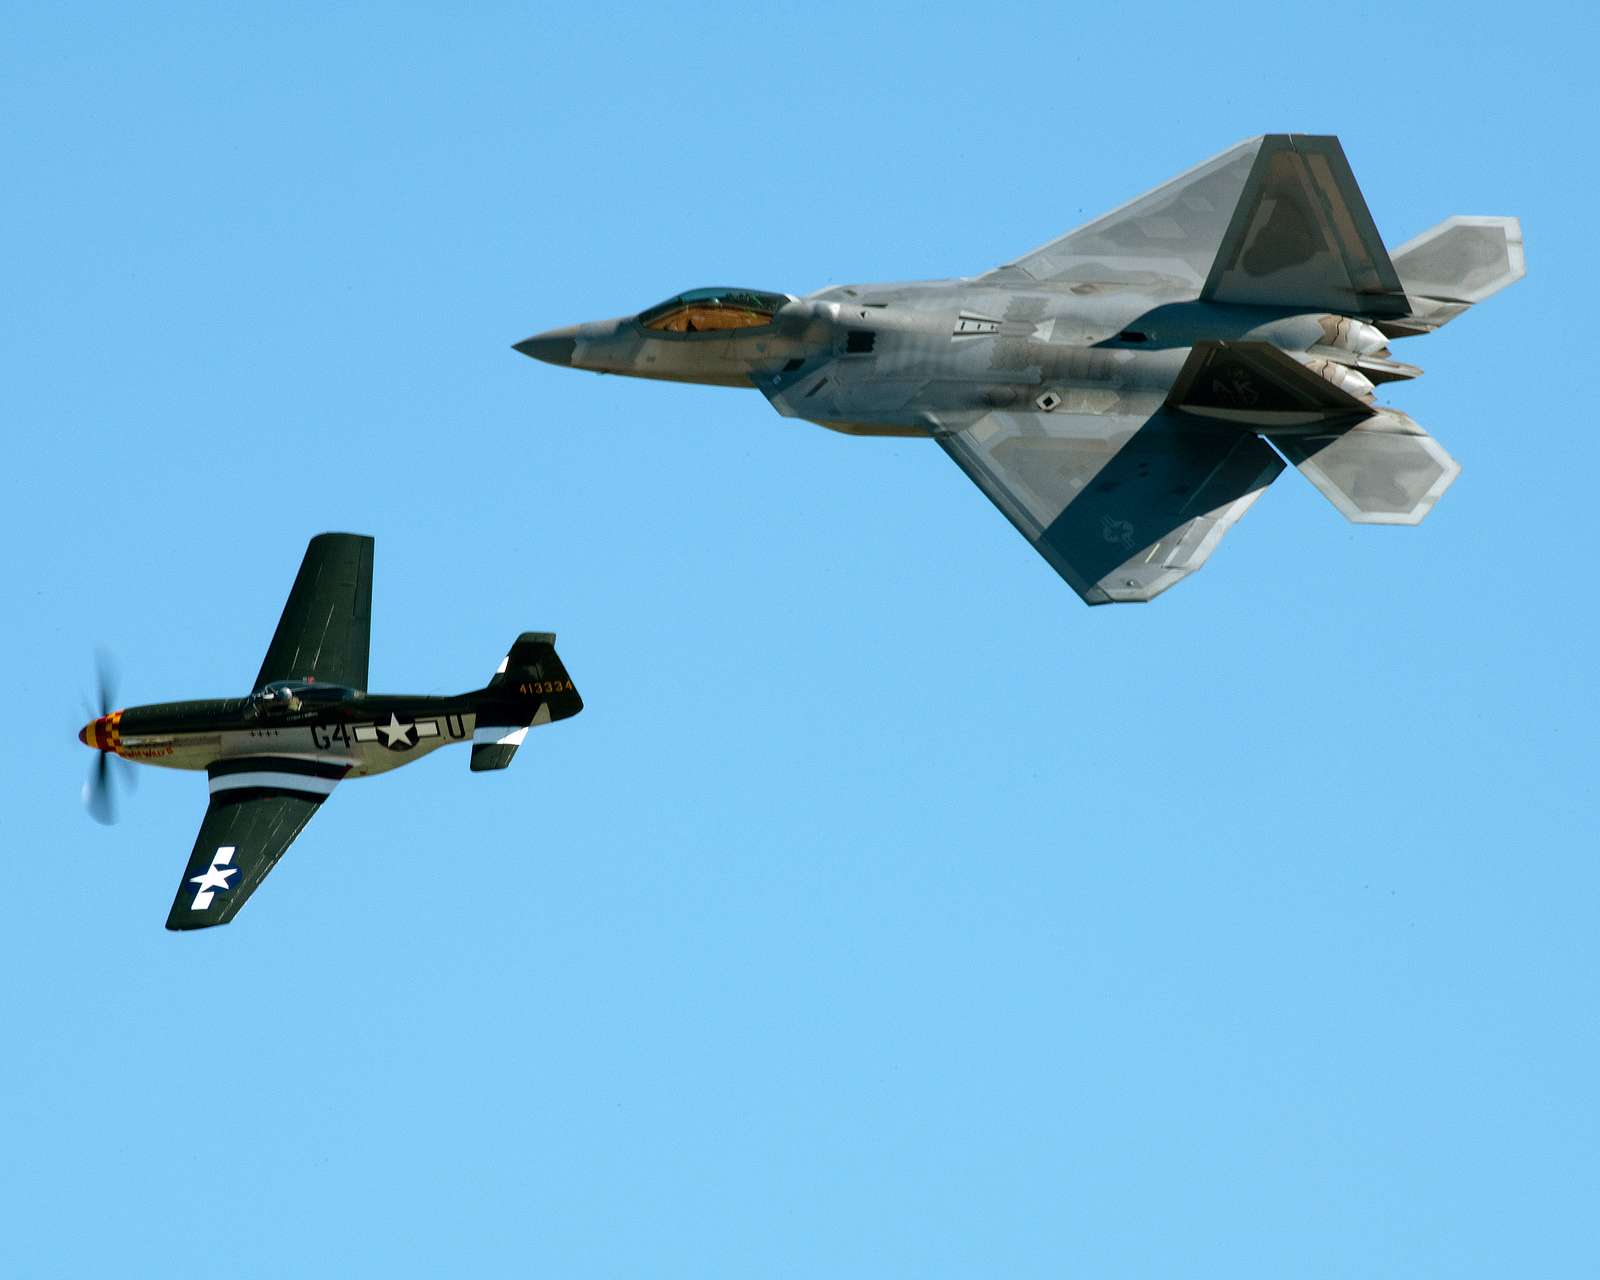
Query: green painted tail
[[530, 687]]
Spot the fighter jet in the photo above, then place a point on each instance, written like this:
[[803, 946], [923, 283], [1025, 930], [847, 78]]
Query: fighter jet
[[273, 757], [1125, 392]]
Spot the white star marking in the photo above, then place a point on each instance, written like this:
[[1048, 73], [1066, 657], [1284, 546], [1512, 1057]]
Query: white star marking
[[395, 732], [215, 877]]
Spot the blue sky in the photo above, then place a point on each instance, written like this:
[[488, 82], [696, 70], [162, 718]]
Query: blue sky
[[886, 912]]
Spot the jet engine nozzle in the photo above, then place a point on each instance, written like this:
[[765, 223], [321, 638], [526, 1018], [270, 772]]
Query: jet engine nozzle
[[1354, 335], [1348, 380]]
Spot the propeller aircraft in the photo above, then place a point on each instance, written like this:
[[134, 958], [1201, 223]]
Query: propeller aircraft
[[308, 723]]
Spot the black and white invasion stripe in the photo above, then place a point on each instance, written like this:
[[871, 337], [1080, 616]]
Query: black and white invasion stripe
[[305, 777]]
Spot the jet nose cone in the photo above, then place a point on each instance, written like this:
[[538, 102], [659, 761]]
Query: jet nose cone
[[553, 347]]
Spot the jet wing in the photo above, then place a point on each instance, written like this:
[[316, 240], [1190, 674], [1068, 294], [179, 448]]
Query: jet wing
[[326, 627], [258, 806], [1173, 230], [1275, 221], [1121, 505]]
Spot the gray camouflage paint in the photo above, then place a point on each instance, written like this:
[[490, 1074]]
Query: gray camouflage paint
[[1125, 392]]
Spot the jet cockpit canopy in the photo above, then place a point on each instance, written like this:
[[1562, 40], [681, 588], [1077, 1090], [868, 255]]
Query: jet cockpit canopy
[[711, 310]]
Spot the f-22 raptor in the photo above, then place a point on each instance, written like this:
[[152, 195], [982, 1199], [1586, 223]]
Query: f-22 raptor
[[273, 757], [1125, 392]]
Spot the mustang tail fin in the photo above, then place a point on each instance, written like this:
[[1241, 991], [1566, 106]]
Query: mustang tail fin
[[1453, 265], [530, 687]]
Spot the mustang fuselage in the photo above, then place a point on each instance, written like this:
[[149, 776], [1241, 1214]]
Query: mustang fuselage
[[367, 733]]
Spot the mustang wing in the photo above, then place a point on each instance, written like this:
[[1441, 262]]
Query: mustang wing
[[258, 805], [326, 627], [1121, 505], [1277, 220]]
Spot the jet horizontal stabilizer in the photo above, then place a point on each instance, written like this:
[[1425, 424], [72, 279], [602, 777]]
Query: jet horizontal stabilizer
[[1383, 470], [1450, 267]]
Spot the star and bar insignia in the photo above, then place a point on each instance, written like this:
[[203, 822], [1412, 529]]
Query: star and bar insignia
[[397, 734]]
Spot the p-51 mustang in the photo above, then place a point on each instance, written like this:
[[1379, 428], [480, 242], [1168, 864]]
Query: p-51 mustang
[[1125, 392], [275, 756]]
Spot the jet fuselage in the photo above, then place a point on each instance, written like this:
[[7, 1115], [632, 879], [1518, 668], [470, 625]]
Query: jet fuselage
[[965, 346], [1124, 393]]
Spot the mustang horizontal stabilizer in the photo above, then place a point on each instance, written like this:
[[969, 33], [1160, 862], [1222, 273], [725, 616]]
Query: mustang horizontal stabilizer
[[530, 687], [1384, 470], [326, 628], [1450, 267], [244, 833], [1121, 506], [1256, 383]]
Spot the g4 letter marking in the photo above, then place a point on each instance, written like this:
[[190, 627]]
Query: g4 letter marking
[[324, 736]]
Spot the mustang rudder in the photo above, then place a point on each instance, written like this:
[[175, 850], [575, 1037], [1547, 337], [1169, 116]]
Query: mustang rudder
[[530, 687]]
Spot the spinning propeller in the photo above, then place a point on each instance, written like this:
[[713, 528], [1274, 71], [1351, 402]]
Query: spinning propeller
[[99, 795]]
